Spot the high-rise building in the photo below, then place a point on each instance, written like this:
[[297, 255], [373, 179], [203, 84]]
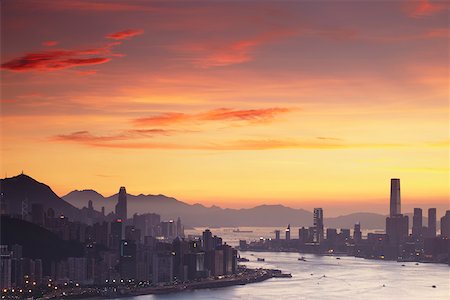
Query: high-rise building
[[288, 233], [303, 235], [395, 206], [207, 240], [432, 222], [318, 225], [397, 228], [396, 224], [277, 235], [121, 206], [445, 225], [127, 262], [162, 267], [5, 267], [357, 235], [417, 223], [115, 234]]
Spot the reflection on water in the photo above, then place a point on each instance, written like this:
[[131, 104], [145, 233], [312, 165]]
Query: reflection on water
[[325, 277]]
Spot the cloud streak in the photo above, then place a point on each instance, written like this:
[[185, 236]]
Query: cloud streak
[[127, 141], [59, 59], [424, 8], [221, 114], [85, 137], [125, 34]]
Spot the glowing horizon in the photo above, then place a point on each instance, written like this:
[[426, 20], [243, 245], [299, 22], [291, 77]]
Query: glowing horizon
[[233, 104]]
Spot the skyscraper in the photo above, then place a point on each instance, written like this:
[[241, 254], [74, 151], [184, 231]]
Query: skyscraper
[[396, 223], [445, 225], [318, 225], [288, 233], [121, 206], [357, 235], [432, 222], [395, 208], [417, 223]]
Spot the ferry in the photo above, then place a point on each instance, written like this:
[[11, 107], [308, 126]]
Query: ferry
[[260, 259], [302, 258]]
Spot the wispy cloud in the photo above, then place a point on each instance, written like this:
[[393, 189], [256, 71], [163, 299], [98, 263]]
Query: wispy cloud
[[207, 54], [424, 8], [85, 137], [221, 114], [59, 59], [90, 5], [125, 34], [50, 43]]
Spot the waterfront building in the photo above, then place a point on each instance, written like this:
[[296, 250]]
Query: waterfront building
[[5, 267], [417, 223], [318, 225], [431, 222], [162, 267], [277, 235], [288, 233], [127, 260], [396, 224], [357, 235], [445, 225]]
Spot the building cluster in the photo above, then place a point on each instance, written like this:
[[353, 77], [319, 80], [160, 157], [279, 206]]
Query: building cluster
[[139, 249], [396, 243]]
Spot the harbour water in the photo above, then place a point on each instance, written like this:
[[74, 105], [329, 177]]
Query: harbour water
[[326, 277]]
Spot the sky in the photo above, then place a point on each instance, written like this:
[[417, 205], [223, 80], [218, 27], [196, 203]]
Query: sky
[[232, 103]]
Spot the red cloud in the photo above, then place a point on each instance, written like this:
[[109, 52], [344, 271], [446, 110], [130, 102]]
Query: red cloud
[[51, 60], [125, 34], [424, 8], [221, 114], [50, 43], [54, 60]]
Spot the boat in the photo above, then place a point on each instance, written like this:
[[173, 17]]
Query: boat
[[338, 258], [302, 258], [242, 259], [260, 259], [237, 230]]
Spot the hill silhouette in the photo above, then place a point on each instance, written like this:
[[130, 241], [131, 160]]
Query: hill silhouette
[[37, 242]]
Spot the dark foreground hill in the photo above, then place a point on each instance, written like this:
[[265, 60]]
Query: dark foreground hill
[[37, 242]]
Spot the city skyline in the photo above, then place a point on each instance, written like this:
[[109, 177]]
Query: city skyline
[[289, 103]]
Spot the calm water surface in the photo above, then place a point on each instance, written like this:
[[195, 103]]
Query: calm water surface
[[325, 277]]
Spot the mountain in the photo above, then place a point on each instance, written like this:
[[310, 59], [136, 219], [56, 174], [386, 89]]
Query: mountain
[[23, 190], [367, 220], [198, 215]]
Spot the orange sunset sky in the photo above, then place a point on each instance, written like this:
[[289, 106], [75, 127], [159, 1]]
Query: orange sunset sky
[[232, 103]]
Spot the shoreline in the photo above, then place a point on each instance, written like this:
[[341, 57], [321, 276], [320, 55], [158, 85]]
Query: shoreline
[[247, 276]]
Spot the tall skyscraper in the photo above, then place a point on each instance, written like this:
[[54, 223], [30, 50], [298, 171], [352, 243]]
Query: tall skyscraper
[[395, 208], [396, 223], [288, 233], [417, 223], [318, 225], [432, 222], [121, 206]]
